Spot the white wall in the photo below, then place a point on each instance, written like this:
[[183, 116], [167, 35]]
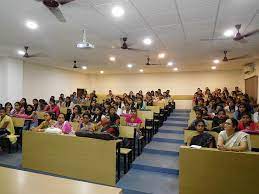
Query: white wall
[[11, 79], [44, 81], [180, 83]]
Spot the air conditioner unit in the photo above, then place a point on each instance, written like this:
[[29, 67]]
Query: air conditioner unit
[[249, 68]]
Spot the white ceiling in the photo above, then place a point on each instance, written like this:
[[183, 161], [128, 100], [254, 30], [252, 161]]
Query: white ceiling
[[175, 26]]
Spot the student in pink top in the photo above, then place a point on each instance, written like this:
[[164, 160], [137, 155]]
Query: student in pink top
[[134, 121], [65, 126], [17, 111]]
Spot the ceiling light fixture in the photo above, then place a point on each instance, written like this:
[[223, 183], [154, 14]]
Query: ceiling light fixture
[[213, 67], [20, 52], [84, 67], [216, 61], [84, 44], [141, 70], [147, 41], [161, 55], [112, 58], [229, 33], [175, 69], [170, 63], [117, 11], [102, 72], [129, 65], [31, 25]]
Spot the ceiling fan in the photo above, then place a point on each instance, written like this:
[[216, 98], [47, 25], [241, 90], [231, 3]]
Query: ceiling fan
[[53, 6], [226, 59], [125, 46], [148, 62], [238, 37], [75, 65], [27, 55]]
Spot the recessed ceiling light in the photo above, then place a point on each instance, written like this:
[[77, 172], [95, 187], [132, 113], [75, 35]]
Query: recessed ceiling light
[[141, 70], [229, 33], [161, 55], [216, 61], [175, 69], [112, 58], [20, 52], [147, 41], [31, 25], [101, 72], [129, 65], [170, 63], [117, 11], [84, 67], [213, 67]]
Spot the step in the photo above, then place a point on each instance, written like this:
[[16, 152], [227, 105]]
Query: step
[[171, 128], [178, 119], [182, 111], [169, 136], [161, 152], [180, 114], [140, 180], [176, 141], [163, 146], [165, 162], [176, 124], [129, 191], [171, 131]]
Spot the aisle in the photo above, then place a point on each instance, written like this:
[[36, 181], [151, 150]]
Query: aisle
[[156, 169]]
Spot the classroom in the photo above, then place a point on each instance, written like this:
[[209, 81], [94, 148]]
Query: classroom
[[129, 96]]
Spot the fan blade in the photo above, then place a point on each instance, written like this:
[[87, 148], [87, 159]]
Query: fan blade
[[135, 49], [63, 2], [154, 64], [38, 55], [240, 57], [212, 39], [58, 14], [243, 41], [251, 33]]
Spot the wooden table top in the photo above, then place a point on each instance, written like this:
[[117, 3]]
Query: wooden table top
[[18, 182]]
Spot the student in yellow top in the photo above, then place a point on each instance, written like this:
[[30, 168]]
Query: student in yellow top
[[6, 125], [45, 124]]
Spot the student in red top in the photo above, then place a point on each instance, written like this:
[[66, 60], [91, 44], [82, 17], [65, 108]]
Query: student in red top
[[246, 122], [53, 107]]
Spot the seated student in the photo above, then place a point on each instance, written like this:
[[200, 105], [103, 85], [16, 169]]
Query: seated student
[[86, 124], [134, 121], [231, 139], [118, 110], [256, 115], [246, 122], [141, 105], [96, 118], [31, 116], [47, 123], [65, 126], [42, 105], [149, 100], [230, 107], [203, 139], [110, 95], [199, 104], [68, 103], [17, 111], [36, 106], [212, 106], [114, 118], [241, 109], [76, 115], [23, 103], [6, 126], [93, 106], [198, 117], [106, 107], [219, 120], [107, 127], [61, 102], [52, 107], [205, 114], [126, 110], [8, 108]]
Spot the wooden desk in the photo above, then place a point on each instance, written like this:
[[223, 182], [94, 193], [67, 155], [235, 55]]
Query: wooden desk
[[17, 181], [92, 160], [255, 141], [208, 170]]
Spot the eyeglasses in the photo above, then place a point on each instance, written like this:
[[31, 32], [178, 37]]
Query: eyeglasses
[[200, 125], [227, 123]]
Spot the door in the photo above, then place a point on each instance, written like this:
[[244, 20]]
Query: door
[[251, 87]]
